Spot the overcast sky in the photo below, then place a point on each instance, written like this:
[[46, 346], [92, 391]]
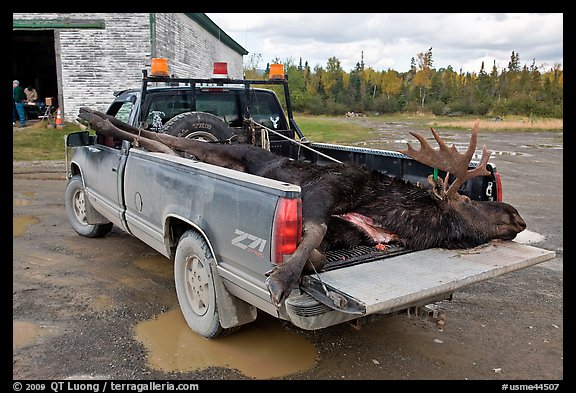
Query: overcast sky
[[460, 40]]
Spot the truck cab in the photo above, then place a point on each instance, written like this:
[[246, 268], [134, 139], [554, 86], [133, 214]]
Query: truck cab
[[160, 100]]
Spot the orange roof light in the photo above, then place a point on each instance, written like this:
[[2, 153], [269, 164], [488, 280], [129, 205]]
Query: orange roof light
[[276, 71], [220, 70], [159, 66]]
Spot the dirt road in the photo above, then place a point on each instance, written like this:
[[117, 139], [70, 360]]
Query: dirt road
[[107, 308]]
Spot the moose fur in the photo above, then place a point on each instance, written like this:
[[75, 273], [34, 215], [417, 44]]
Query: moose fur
[[416, 217]]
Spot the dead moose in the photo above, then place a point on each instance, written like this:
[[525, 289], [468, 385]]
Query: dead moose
[[345, 205]]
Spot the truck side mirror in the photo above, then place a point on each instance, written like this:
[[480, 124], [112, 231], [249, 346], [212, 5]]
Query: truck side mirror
[[80, 138]]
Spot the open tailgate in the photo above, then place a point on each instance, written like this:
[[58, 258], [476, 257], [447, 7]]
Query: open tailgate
[[401, 281]]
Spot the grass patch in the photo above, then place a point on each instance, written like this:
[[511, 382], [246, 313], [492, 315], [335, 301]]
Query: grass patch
[[332, 130], [36, 142], [345, 130]]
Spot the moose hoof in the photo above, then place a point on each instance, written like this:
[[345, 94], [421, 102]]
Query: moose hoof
[[277, 289]]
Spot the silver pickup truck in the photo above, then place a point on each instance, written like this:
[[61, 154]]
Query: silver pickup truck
[[221, 227]]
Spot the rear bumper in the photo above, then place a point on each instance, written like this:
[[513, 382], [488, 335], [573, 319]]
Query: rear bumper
[[307, 313]]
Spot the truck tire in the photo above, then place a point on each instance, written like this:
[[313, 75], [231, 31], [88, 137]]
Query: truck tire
[[76, 210], [198, 125], [195, 286]]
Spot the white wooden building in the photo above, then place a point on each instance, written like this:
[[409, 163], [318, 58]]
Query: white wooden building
[[80, 59]]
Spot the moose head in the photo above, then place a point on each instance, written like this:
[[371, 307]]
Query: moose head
[[489, 219]]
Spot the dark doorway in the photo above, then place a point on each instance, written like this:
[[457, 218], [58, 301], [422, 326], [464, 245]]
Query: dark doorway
[[34, 62]]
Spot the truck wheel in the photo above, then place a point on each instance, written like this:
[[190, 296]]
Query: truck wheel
[[195, 286], [76, 210], [198, 125]]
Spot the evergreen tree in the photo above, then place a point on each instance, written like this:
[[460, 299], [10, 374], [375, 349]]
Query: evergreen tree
[[517, 89], [484, 87], [514, 63]]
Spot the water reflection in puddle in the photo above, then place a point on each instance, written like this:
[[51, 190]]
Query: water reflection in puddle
[[20, 224], [260, 350]]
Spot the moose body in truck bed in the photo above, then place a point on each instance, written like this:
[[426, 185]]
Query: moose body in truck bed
[[241, 241]]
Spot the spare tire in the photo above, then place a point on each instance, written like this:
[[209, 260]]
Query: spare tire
[[198, 125]]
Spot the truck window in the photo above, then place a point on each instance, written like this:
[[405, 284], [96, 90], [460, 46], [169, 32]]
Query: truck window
[[163, 107], [265, 110], [121, 110], [124, 111], [222, 104], [226, 104]]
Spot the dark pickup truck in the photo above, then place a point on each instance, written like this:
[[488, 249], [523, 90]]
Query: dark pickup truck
[[222, 227]]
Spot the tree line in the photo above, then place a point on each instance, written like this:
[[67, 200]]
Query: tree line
[[515, 90]]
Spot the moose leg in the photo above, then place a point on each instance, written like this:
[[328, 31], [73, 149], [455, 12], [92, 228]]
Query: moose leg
[[205, 152], [316, 262], [285, 277], [106, 127]]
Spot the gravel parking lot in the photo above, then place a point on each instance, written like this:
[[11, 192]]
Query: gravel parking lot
[[107, 308]]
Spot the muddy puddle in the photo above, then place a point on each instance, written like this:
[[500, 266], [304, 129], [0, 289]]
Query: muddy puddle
[[260, 350], [26, 333], [21, 202], [157, 264], [20, 224]]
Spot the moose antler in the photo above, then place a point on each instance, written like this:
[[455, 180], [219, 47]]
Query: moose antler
[[450, 160]]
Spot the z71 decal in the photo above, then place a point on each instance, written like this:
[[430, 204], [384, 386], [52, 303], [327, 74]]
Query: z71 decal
[[249, 242]]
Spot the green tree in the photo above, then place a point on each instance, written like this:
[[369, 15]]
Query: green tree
[[514, 63], [334, 79], [371, 86], [484, 85], [517, 89], [391, 83], [423, 76]]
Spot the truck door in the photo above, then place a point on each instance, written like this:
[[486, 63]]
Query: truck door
[[103, 178]]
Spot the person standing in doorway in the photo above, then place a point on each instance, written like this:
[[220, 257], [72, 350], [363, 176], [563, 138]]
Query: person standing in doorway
[[19, 98]]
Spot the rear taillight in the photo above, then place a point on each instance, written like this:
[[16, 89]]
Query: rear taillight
[[498, 187], [287, 229]]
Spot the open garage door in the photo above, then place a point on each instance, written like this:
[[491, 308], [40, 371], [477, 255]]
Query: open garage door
[[34, 63]]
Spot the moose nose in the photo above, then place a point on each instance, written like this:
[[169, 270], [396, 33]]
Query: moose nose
[[520, 223]]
